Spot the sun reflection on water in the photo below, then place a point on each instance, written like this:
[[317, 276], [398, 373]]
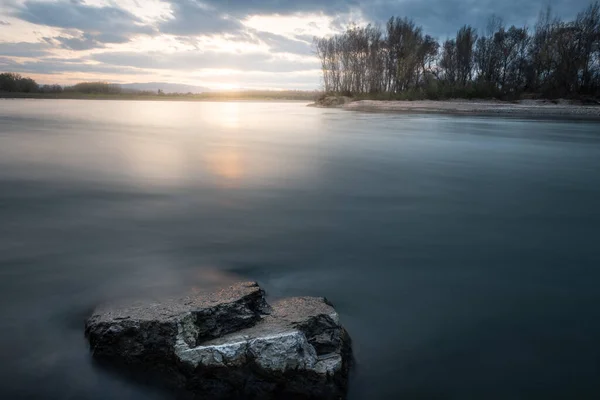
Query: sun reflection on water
[[226, 163]]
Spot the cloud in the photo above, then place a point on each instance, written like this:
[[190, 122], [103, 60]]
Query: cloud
[[219, 16], [56, 66], [77, 15], [258, 42], [212, 17], [195, 60], [195, 17], [111, 38], [192, 18], [282, 44], [86, 41], [24, 49], [83, 43], [248, 7], [443, 18], [438, 17]]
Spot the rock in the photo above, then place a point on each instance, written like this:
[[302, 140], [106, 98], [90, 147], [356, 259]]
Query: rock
[[230, 344]]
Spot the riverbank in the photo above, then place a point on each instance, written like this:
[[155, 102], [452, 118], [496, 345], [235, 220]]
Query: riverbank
[[546, 109]]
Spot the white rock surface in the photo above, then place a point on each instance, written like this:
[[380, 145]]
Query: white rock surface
[[231, 343]]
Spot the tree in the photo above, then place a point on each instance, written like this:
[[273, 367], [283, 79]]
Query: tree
[[588, 27], [487, 55], [465, 41], [51, 89], [11, 82], [95, 88], [449, 61], [556, 59]]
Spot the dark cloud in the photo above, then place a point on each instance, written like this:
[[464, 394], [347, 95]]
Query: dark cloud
[[438, 17], [54, 66], [24, 49], [194, 60], [76, 15], [86, 41], [191, 18], [113, 38], [194, 17], [443, 18], [218, 16]]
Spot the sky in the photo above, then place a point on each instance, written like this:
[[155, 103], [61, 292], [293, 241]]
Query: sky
[[219, 44]]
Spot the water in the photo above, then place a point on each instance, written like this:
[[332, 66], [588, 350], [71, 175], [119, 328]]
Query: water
[[462, 253]]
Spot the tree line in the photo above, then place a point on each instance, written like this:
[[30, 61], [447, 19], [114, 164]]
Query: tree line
[[18, 86], [554, 59], [10, 82], [15, 83]]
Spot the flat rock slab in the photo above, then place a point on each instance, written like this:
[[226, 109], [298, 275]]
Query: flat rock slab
[[230, 343]]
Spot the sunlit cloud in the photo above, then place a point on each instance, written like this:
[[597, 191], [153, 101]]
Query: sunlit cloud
[[149, 11], [16, 30], [307, 25]]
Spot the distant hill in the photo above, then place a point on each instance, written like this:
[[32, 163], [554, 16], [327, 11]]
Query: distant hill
[[165, 87]]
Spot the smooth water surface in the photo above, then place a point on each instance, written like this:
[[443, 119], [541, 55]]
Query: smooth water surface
[[462, 253]]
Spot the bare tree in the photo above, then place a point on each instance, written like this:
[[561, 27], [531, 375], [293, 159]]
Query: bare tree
[[465, 42], [557, 59], [449, 61]]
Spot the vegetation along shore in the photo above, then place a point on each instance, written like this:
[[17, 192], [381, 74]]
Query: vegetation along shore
[[16, 86], [555, 59]]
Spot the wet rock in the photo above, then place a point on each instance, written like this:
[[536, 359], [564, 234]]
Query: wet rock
[[230, 344]]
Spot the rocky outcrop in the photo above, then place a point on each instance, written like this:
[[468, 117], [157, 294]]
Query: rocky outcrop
[[230, 344]]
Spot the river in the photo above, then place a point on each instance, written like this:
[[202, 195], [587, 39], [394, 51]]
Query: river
[[462, 253]]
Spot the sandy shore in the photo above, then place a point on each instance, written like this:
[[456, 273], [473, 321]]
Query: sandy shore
[[523, 109]]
